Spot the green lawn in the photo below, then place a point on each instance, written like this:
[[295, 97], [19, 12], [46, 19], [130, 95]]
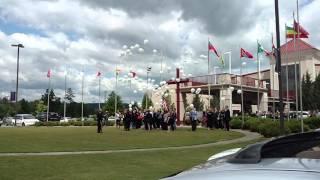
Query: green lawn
[[137, 165], [44, 139]]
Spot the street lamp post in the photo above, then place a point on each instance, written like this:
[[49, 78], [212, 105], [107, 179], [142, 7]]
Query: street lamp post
[[17, 81]]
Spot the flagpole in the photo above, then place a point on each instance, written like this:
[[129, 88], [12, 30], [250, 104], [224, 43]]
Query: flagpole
[[274, 99], [82, 84], [147, 89], [258, 69], [99, 90], [115, 94], [242, 109], [300, 69], [65, 94], [287, 74], [295, 72], [209, 76], [48, 103]]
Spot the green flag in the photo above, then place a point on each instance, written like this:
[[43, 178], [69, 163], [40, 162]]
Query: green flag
[[260, 48], [221, 58]]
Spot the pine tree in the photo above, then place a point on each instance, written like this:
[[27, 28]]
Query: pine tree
[[307, 92], [316, 92], [109, 105], [150, 103], [70, 95]]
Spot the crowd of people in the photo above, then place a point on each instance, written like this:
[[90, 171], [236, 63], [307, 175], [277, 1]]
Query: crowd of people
[[217, 119], [165, 120], [137, 119]]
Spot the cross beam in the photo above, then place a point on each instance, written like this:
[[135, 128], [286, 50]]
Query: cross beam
[[178, 81]]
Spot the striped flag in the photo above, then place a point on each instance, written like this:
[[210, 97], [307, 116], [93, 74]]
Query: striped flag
[[49, 73], [212, 48]]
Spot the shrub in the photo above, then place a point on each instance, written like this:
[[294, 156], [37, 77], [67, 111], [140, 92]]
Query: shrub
[[269, 129], [236, 123], [295, 126], [312, 122]]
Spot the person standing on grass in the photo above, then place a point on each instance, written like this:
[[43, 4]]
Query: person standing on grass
[[194, 119], [210, 119], [148, 120], [227, 118], [172, 120], [117, 118], [165, 119], [99, 121]]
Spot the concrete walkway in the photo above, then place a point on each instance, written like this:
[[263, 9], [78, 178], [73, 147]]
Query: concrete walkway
[[248, 137]]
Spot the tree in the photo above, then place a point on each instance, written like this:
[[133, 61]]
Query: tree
[[40, 106], [109, 105], [197, 103], [25, 107], [144, 101], [215, 102], [316, 92], [55, 103], [307, 93], [70, 95]]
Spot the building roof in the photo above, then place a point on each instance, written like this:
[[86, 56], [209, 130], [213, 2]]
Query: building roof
[[299, 45]]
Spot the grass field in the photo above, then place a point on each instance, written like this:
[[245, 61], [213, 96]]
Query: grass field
[[137, 165], [45, 139]]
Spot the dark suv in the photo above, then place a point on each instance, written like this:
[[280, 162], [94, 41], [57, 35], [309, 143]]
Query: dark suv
[[52, 116]]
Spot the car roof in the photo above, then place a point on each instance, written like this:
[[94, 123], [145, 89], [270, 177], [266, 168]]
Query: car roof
[[277, 158]]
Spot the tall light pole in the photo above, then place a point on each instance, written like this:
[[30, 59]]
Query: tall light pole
[[17, 81]]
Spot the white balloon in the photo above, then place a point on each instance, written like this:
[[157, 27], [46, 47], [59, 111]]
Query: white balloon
[[131, 47], [192, 90], [166, 95], [124, 47], [130, 109], [141, 50], [239, 91], [135, 91], [154, 51], [145, 41], [198, 90], [191, 105], [136, 45], [178, 80]]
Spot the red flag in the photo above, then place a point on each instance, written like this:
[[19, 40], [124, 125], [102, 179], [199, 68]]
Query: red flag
[[98, 74], [212, 48], [244, 53], [133, 74], [302, 32], [49, 73]]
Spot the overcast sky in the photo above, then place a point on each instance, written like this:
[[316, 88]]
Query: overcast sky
[[89, 35]]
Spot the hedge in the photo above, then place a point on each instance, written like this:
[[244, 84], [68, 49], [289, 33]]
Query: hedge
[[269, 128], [72, 123]]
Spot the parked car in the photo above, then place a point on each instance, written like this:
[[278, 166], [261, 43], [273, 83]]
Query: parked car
[[8, 121], [25, 119], [53, 116], [65, 119], [291, 157]]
